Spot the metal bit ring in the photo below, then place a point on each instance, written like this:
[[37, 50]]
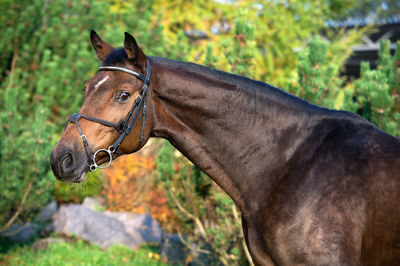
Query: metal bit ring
[[94, 166]]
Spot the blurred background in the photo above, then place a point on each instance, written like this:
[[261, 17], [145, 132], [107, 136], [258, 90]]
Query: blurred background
[[341, 54]]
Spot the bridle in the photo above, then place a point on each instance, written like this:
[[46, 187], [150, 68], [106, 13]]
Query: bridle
[[124, 127]]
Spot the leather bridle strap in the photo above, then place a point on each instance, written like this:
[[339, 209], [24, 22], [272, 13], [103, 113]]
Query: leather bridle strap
[[124, 127], [126, 70]]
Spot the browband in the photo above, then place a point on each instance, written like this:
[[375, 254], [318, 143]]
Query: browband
[[126, 70]]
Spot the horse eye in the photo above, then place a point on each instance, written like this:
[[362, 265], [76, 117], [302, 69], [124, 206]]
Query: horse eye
[[123, 96]]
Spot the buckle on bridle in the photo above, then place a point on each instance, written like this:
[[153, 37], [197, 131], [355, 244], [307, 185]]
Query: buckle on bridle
[[83, 137]]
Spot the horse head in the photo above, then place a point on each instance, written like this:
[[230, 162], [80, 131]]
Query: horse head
[[113, 118]]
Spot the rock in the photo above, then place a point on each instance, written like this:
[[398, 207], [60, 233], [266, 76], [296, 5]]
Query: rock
[[172, 249], [47, 213], [21, 232], [94, 226], [93, 204], [141, 226], [47, 230], [44, 243], [176, 252], [107, 228]]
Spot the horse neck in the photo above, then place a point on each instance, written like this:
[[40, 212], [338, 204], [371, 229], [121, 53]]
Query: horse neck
[[225, 125]]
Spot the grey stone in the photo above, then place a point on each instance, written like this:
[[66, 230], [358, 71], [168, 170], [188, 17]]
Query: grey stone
[[141, 226], [47, 213], [93, 204], [176, 252], [172, 249], [21, 232], [107, 228]]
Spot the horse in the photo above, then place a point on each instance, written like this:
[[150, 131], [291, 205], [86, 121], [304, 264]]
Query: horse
[[314, 186]]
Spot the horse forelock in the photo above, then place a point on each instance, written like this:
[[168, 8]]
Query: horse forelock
[[116, 56]]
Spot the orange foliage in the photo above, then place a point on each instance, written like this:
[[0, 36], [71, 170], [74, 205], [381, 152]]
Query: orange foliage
[[131, 187]]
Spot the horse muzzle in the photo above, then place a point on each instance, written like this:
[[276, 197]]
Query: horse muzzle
[[68, 166]]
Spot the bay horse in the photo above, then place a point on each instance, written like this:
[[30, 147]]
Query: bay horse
[[314, 186]]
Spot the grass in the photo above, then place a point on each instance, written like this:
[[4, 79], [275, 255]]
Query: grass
[[80, 253]]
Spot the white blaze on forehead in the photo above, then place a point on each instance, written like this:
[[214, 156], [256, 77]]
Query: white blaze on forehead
[[100, 82]]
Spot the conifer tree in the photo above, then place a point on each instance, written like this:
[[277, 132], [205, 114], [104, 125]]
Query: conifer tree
[[45, 59], [24, 150], [376, 93], [318, 80]]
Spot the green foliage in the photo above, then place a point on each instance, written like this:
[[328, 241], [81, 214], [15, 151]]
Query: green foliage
[[280, 27], [38, 42], [318, 80], [375, 95], [73, 192], [24, 170], [83, 254], [377, 91], [239, 52]]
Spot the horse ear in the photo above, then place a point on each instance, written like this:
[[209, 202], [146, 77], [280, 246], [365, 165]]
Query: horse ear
[[135, 54], [101, 47]]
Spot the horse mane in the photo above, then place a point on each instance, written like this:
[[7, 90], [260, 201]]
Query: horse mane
[[264, 91]]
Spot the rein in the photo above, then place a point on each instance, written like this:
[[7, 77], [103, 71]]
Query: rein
[[124, 127]]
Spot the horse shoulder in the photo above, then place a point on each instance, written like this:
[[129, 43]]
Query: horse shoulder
[[319, 213]]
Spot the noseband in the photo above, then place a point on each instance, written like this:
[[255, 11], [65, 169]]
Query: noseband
[[124, 127]]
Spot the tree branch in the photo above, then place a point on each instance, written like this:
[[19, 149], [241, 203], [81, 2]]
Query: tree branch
[[20, 207], [189, 215]]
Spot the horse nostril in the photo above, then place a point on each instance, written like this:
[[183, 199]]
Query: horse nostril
[[67, 163]]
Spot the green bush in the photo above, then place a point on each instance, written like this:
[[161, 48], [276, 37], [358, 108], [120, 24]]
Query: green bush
[[375, 95], [25, 175], [36, 88], [377, 92], [318, 80]]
